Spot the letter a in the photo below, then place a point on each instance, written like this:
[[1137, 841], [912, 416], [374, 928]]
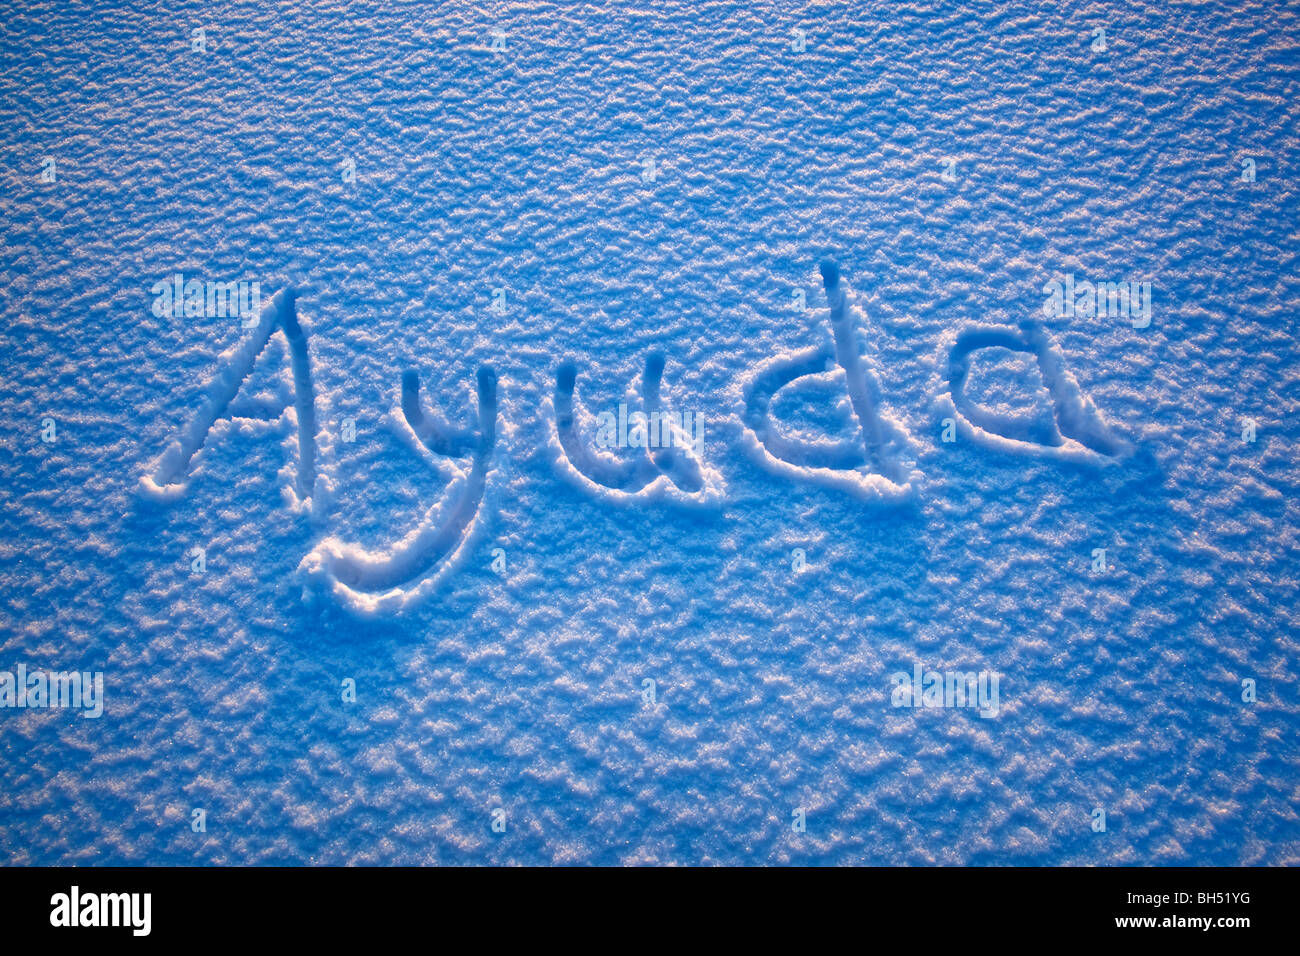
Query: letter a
[[169, 477]]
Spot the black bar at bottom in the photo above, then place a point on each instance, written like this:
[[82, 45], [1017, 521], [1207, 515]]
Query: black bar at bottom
[[338, 906]]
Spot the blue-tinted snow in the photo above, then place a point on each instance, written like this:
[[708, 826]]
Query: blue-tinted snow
[[952, 161]]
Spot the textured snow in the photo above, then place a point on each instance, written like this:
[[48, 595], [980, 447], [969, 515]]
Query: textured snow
[[525, 169]]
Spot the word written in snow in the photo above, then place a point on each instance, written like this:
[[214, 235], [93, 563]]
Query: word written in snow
[[871, 463]]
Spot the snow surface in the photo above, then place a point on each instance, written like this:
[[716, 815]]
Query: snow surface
[[525, 169]]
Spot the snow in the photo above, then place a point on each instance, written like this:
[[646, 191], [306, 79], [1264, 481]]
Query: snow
[[487, 195]]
